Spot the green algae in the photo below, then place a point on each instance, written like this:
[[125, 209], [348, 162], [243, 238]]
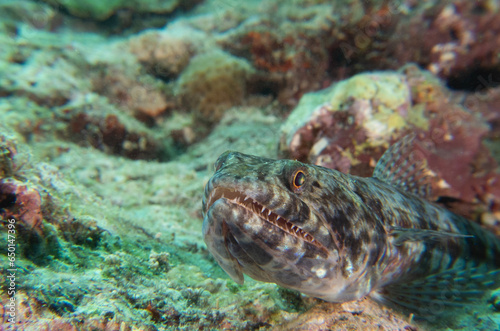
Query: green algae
[[417, 117], [101, 10]]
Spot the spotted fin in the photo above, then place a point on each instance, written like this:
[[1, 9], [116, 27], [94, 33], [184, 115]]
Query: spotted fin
[[402, 235], [438, 293], [402, 166]]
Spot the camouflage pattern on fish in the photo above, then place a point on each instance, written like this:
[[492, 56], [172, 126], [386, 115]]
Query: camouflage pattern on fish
[[340, 237]]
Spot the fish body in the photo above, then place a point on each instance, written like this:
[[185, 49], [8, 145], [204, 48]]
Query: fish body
[[340, 237]]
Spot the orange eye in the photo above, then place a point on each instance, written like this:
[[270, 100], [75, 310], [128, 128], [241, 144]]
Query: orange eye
[[299, 179]]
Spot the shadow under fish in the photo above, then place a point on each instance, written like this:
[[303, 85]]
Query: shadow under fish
[[340, 237]]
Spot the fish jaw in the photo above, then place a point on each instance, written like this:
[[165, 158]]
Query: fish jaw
[[215, 234], [242, 241]]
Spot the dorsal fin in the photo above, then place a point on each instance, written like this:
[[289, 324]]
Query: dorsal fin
[[402, 167]]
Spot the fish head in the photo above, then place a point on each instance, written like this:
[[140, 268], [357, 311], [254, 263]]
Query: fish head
[[262, 217]]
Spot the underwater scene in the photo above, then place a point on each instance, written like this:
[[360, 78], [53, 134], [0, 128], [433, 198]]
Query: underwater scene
[[249, 165]]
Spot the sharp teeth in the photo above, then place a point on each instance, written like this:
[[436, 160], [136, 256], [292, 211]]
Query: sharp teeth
[[246, 198], [277, 218], [269, 213], [263, 208], [293, 227]]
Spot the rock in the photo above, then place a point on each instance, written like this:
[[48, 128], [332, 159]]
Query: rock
[[335, 126], [163, 54], [102, 10], [349, 125], [212, 83], [23, 203]]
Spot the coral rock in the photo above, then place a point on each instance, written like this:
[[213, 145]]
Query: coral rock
[[162, 54], [348, 126], [101, 10], [329, 127], [212, 83], [108, 130], [460, 43], [22, 203], [8, 151], [144, 99]]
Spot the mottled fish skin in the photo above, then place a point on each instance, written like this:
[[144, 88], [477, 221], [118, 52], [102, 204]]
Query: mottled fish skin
[[335, 236]]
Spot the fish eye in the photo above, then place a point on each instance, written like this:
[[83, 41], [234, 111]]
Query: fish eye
[[298, 179]]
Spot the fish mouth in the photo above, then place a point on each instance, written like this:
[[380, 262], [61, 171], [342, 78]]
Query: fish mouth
[[265, 213]]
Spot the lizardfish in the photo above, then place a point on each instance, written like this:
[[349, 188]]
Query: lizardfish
[[340, 237]]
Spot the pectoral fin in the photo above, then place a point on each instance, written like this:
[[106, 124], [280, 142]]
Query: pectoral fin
[[402, 235]]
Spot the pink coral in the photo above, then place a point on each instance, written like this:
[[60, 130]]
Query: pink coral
[[21, 202]]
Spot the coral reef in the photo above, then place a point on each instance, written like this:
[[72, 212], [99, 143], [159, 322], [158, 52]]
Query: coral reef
[[289, 47], [109, 132], [461, 46], [79, 85], [21, 203], [99, 10], [304, 48]]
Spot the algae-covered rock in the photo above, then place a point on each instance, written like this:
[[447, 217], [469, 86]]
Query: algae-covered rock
[[349, 125], [101, 10], [8, 152], [329, 127], [212, 83], [164, 54]]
